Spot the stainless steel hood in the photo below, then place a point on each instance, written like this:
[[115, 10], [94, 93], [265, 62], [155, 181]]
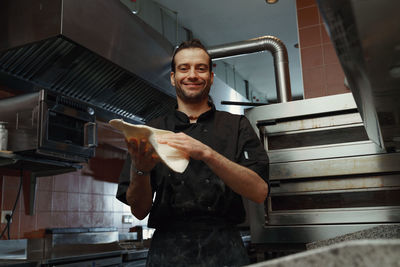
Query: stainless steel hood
[[367, 41], [96, 51]]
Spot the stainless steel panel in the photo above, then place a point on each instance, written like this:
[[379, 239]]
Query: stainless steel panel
[[316, 137], [83, 238], [303, 154], [336, 166], [13, 249], [335, 216], [62, 46], [366, 37], [330, 184], [23, 117], [305, 234], [26, 21], [313, 106], [130, 43], [313, 123]]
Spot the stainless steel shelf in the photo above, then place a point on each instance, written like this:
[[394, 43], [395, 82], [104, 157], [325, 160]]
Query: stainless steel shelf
[[36, 167]]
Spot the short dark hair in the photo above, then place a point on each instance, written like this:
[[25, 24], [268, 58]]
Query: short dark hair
[[194, 43]]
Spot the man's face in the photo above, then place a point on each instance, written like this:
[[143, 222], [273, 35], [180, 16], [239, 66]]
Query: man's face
[[192, 78]]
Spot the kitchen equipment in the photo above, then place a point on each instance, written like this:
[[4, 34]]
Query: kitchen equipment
[[50, 125], [327, 177], [13, 249], [365, 35], [61, 46], [3, 136], [98, 246]]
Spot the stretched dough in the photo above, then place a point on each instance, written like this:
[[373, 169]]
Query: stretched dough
[[172, 157]]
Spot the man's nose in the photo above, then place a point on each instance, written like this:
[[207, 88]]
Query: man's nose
[[192, 73]]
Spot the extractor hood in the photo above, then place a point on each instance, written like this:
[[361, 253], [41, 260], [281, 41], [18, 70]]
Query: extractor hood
[[366, 36], [96, 51]]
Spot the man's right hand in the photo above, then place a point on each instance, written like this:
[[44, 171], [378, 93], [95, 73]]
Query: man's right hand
[[143, 156], [139, 194]]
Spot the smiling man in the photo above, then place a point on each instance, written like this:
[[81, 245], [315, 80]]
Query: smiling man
[[192, 76], [195, 213]]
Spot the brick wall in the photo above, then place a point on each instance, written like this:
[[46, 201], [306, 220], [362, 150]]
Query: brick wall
[[67, 200], [322, 72]]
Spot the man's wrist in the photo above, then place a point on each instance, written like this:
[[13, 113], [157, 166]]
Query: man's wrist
[[209, 155], [139, 172]]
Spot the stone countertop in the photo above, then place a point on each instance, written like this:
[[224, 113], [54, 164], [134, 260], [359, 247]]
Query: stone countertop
[[391, 231], [368, 252], [376, 246]]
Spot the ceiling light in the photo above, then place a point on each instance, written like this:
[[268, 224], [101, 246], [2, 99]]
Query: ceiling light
[[271, 1]]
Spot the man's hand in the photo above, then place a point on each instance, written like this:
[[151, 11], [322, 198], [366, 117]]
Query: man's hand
[[142, 153], [240, 179], [138, 194], [194, 148]]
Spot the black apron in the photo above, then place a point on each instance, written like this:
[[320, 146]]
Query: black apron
[[215, 247]]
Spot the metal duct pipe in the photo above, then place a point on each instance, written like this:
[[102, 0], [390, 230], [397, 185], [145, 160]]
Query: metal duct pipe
[[270, 43]]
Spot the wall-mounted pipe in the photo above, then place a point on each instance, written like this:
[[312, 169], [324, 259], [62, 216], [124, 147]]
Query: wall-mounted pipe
[[270, 43]]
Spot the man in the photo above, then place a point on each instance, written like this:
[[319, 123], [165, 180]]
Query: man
[[195, 212]]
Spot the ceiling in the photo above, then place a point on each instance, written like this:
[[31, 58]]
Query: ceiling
[[226, 21]]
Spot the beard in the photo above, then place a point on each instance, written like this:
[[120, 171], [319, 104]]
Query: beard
[[192, 97]]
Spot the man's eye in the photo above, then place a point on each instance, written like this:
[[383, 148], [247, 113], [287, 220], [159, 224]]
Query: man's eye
[[183, 68]]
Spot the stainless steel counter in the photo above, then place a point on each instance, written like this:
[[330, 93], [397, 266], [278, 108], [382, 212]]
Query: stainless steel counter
[[76, 246]]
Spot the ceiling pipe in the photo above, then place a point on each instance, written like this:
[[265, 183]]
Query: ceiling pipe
[[270, 43]]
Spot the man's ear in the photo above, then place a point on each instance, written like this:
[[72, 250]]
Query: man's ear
[[172, 78], [212, 77]]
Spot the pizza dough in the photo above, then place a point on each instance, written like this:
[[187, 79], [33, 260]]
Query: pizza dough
[[172, 157]]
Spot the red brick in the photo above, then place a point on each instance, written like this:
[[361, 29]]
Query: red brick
[[330, 56], [43, 201], [44, 220], [311, 57], [85, 202], [60, 201], [310, 36], [334, 74], [308, 16], [314, 84], [73, 201], [305, 3], [45, 183], [85, 184], [58, 219], [61, 182]]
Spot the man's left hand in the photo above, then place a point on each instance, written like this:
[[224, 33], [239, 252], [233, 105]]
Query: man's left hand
[[194, 148]]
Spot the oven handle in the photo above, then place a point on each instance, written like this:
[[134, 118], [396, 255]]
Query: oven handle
[[90, 130]]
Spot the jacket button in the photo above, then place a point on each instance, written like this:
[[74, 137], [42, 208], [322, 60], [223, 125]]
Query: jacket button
[[209, 208], [207, 181], [182, 182]]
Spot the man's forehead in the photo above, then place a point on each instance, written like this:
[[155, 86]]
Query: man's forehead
[[191, 54]]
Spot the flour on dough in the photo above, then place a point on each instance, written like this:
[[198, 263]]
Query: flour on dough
[[172, 157]]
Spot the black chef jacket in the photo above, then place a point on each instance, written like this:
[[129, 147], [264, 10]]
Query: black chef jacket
[[194, 212], [197, 197]]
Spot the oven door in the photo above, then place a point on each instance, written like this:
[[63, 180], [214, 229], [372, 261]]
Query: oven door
[[67, 133]]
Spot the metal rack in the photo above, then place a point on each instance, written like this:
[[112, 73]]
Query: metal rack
[[33, 168]]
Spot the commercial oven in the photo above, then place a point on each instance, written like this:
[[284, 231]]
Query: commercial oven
[[46, 124], [327, 177]]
